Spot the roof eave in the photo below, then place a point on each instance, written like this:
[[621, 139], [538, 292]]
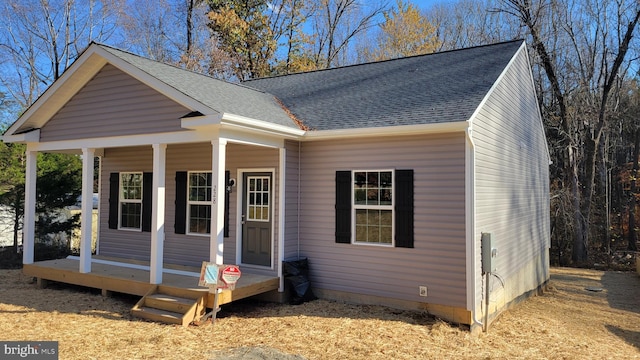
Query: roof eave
[[402, 130], [22, 138]]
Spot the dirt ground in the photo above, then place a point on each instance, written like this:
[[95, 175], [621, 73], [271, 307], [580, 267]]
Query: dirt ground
[[567, 322]]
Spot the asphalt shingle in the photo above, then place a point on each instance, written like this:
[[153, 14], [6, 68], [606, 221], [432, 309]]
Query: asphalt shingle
[[433, 88]]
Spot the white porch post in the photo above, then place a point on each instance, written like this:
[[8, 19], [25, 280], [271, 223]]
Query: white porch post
[[28, 227], [282, 168], [157, 216], [86, 220], [216, 247]]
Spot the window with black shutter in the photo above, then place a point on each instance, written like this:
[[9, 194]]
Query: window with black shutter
[[193, 203], [130, 195], [375, 207]]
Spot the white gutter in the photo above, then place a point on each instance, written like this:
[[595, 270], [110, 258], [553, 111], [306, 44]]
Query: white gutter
[[432, 128], [248, 123]]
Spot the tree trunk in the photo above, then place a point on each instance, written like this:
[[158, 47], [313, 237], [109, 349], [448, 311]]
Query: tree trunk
[[579, 253], [190, 6], [632, 245], [16, 219]]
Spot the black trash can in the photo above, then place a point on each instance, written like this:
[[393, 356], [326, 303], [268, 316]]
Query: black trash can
[[296, 277]]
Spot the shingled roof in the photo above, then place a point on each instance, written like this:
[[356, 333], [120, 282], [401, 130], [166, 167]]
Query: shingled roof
[[435, 88]]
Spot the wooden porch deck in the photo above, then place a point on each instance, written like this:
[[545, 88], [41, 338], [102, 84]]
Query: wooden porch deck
[[135, 281]]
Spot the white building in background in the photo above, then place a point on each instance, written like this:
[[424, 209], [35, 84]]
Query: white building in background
[[6, 228]]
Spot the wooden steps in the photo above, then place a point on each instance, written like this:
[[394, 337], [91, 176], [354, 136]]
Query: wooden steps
[[171, 305]]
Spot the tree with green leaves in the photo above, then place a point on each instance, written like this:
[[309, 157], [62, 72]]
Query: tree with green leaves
[[59, 181], [12, 165], [58, 187]]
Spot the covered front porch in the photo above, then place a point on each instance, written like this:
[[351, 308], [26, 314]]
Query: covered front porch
[[132, 277]]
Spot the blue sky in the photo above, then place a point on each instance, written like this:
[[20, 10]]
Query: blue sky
[[426, 4]]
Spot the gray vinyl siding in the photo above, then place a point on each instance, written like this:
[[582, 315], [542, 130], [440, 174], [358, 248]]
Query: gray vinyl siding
[[181, 249], [291, 241], [438, 259], [512, 178], [112, 104], [123, 243]]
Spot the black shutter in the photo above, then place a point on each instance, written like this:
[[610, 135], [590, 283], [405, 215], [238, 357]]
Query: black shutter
[[147, 200], [180, 224], [114, 187], [343, 207], [404, 208], [227, 191]]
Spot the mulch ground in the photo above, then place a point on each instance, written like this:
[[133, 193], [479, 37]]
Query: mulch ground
[[566, 322]]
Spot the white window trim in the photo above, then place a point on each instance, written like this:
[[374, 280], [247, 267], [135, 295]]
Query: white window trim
[[269, 207], [390, 207], [121, 200], [190, 202]]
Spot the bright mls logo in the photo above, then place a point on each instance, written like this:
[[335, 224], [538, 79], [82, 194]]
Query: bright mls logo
[[40, 350]]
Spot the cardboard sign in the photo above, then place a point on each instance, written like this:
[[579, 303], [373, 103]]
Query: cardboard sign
[[219, 276]]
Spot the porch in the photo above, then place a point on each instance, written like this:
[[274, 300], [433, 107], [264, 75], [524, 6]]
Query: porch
[[132, 277]]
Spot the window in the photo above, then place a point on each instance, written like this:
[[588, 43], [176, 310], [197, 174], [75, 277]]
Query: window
[[193, 203], [130, 200], [258, 193], [199, 203], [373, 205]]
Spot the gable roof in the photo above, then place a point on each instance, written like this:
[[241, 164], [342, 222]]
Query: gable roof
[[197, 92], [221, 96], [426, 89], [439, 88]]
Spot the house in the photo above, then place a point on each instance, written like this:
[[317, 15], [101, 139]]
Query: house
[[390, 177]]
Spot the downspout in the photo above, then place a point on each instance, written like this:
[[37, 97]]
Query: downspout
[[298, 199], [470, 158]]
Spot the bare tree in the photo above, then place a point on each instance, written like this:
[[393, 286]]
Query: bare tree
[[468, 23], [337, 23], [287, 19], [40, 39], [152, 29], [582, 49]]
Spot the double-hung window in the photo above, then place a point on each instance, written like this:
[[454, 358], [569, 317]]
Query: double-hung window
[[193, 205], [130, 201], [199, 203], [373, 205]]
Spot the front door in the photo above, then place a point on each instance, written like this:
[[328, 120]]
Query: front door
[[256, 219]]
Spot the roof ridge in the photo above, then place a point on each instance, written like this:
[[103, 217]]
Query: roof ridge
[[390, 60]]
